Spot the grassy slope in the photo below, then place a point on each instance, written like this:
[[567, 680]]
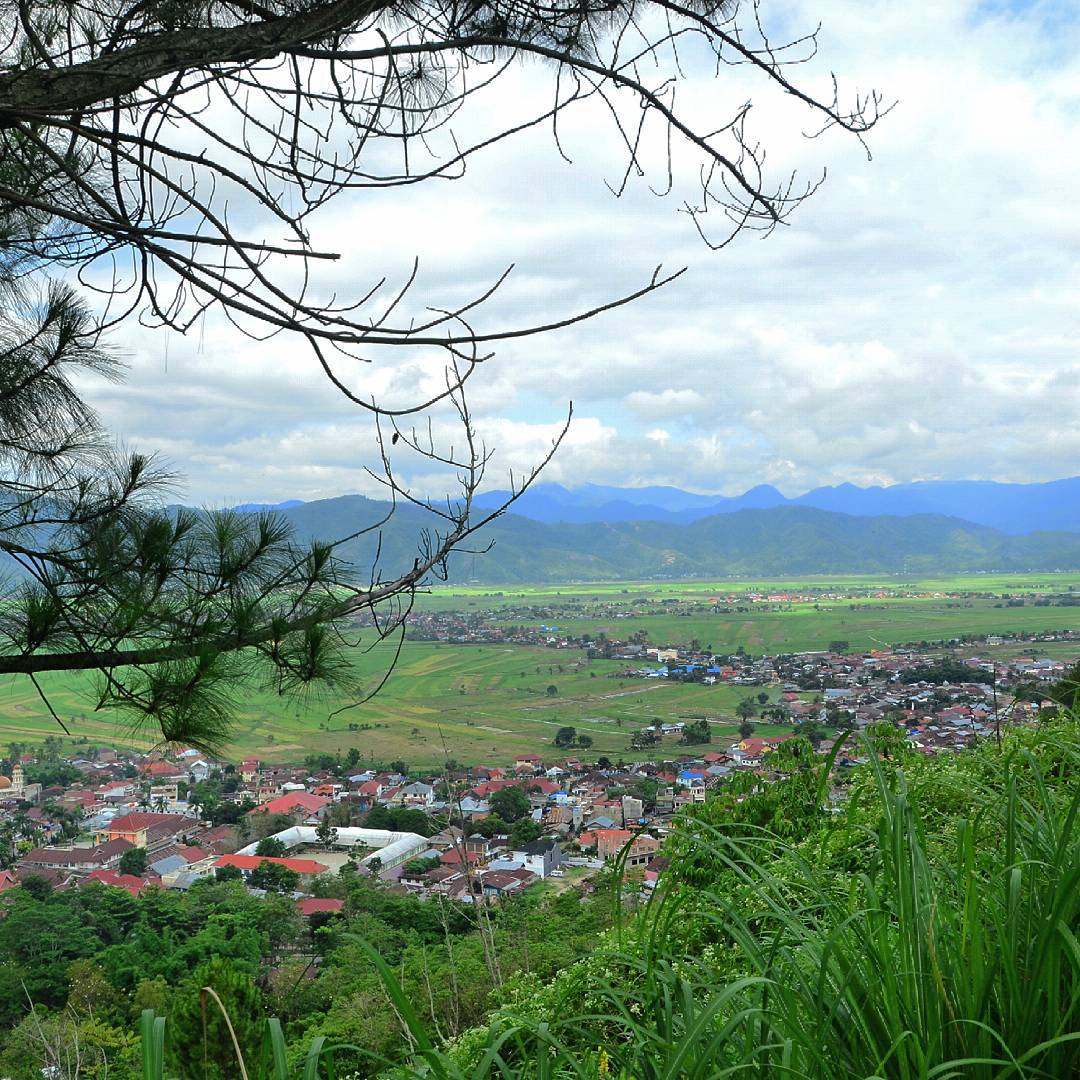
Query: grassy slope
[[504, 709], [928, 931]]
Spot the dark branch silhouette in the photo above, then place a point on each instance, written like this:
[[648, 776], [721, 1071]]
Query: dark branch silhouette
[[137, 135]]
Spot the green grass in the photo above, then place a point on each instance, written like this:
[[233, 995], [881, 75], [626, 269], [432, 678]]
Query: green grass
[[805, 627], [480, 704], [867, 611]]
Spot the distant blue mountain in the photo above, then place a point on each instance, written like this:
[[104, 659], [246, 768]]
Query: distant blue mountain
[[252, 508], [779, 540], [596, 502], [1012, 508], [1016, 509]]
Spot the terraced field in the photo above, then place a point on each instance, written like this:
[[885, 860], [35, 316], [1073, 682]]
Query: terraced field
[[480, 703]]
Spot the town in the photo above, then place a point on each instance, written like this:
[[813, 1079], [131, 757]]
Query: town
[[481, 832]]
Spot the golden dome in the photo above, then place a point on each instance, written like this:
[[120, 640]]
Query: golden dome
[[5, 783]]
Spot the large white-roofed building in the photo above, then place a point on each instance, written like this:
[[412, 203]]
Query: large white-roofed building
[[391, 849]]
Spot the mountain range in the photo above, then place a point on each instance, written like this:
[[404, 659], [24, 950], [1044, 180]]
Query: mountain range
[[781, 540], [1016, 509]]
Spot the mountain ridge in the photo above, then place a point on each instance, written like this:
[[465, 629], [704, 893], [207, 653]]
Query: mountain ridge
[[772, 541], [1016, 509]]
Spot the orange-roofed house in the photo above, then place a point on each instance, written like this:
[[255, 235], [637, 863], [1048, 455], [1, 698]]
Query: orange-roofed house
[[609, 842], [147, 830]]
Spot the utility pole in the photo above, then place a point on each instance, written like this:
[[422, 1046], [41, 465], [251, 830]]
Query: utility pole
[[997, 715]]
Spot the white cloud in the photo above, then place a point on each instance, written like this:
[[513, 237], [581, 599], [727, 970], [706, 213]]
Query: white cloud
[[918, 317], [665, 403]]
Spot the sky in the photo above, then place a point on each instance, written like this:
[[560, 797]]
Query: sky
[[917, 318]]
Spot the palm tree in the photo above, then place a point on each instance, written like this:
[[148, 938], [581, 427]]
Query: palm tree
[[7, 844]]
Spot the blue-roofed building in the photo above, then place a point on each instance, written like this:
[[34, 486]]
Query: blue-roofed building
[[169, 865], [506, 864], [602, 821]]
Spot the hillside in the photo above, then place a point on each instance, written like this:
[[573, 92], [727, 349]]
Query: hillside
[[776, 541]]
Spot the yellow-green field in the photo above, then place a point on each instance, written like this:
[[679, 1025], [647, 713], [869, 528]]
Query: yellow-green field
[[486, 703], [451, 596], [872, 611]]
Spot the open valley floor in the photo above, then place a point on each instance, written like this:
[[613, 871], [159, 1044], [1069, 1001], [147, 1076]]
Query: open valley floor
[[487, 674]]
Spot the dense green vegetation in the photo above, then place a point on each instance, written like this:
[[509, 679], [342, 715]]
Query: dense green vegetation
[[89, 960]]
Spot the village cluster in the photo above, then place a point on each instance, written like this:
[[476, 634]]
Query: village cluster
[[575, 815], [481, 833]]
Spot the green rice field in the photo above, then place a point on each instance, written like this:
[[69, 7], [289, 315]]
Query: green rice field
[[486, 703]]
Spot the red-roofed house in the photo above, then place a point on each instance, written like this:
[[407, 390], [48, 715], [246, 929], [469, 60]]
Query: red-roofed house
[[246, 863], [489, 787], [314, 905], [299, 805], [547, 787], [500, 883], [453, 857], [129, 882], [79, 798], [162, 770]]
